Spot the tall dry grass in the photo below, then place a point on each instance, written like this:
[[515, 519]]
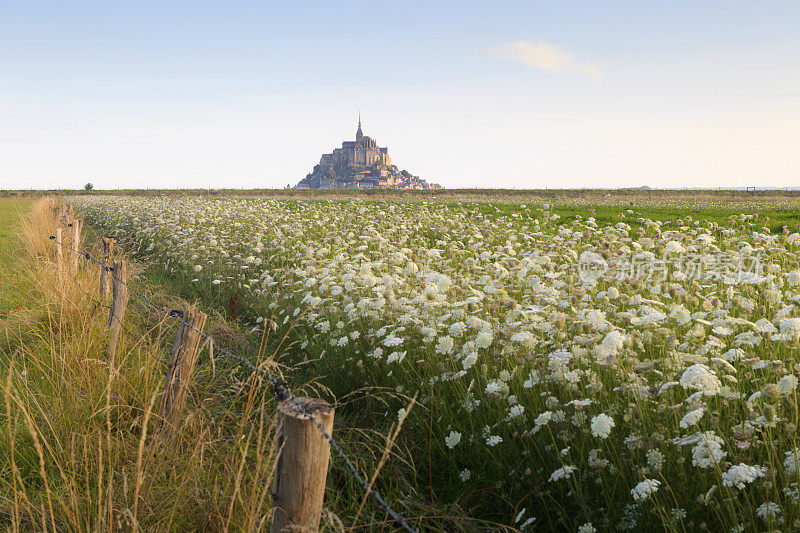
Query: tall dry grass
[[77, 448]]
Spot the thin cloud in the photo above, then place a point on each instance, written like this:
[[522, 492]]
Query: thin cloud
[[542, 55]]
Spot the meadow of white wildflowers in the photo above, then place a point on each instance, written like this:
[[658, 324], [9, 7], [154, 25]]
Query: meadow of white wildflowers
[[547, 399]]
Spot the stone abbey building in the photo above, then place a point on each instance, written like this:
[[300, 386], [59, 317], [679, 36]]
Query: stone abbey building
[[360, 164]]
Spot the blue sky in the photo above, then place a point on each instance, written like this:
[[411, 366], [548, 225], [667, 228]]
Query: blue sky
[[514, 94]]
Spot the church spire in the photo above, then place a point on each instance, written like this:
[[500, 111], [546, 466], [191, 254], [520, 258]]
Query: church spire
[[359, 133]]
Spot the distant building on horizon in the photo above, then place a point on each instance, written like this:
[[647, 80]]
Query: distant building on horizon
[[360, 164]]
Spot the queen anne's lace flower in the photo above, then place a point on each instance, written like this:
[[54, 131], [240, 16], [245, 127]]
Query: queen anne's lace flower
[[680, 314], [596, 318], [493, 440], [792, 461], [612, 344], [484, 339], [645, 489], [790, 329], [469, 360], [692, 417], [701, 378], [602, 425], [452, 439], [522, 337], [708, 451], [769, 512], [740, 475], [762, 325], [655, 460], [787, 384], [674, 247], [445, 345], [562, 473]]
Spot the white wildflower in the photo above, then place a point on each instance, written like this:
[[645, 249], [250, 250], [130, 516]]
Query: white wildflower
[[484, 339], [708, 451], [769, 512], [674, 247], [701, 378], [612, 344], [790, 329], [452, 439], [493, 440], [740, 475], [792, 462], [565, 472], [522, 337], [602, 425], [445, 345], [787, 384], [645, 489], [692, 417], [469, 360], [655, 460]]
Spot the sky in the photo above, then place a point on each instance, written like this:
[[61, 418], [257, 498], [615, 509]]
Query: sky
[[668, 94]]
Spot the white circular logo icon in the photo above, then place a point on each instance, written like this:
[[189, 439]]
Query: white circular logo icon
[[591, 267]]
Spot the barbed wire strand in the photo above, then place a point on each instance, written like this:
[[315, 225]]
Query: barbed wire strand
[[281, 387]]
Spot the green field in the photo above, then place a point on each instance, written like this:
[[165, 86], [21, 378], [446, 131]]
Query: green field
[[544, 401], [12, 287]]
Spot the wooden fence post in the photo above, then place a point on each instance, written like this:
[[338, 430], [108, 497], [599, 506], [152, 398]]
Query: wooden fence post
[[119, 295], [77, 225], [105, 275], [59, 255], [302, 465], [184, 358]]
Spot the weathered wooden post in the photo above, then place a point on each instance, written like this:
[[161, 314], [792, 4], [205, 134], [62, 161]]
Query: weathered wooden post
[[105, 274], [76, 225], [184, 358], [59, 255], [62, 214], [302, 464], [119, 301]]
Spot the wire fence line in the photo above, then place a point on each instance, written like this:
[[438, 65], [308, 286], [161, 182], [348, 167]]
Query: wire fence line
[[280, 386]]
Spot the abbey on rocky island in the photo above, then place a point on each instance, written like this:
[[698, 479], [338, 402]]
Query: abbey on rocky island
[[360, 164]]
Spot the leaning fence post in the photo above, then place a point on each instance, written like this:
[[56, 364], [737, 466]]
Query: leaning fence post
[[77, 224], [184, 358], [119, 301], [302, 464], [105, 275], [59, 255]]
